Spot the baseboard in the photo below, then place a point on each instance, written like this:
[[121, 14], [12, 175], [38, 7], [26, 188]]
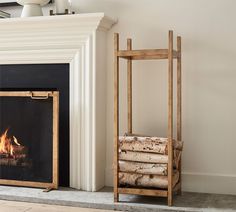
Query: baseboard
[[198, 182], [209, 183], [109, 177]]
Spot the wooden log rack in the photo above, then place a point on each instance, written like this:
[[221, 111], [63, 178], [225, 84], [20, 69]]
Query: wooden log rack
[[148, 54]]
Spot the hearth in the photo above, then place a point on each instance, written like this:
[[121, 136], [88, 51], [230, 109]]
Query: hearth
[[29, 138]]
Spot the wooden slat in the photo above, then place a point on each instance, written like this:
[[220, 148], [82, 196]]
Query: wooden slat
[[146, 54], [129, 87], [145, 192], [179, 102], [142, 52], [170, 119], [150, 57], [179, 91], [116, 116]]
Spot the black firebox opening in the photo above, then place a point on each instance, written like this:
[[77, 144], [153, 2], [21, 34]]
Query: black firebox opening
[[44, 77]]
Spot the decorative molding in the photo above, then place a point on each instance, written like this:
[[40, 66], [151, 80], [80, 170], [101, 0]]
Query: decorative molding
[[77, 40]]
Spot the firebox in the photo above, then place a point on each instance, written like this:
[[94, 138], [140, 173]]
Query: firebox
[[29, 138]]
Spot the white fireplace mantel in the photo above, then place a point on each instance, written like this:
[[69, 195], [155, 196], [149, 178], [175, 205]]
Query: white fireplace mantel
[[79, 40]]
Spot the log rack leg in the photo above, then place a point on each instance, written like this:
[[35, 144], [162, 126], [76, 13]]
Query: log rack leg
[[170, 119], [116, 197], [129, 87], [179, 106], [116, 117]]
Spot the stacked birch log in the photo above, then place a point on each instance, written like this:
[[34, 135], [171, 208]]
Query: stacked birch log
[[143, 161]]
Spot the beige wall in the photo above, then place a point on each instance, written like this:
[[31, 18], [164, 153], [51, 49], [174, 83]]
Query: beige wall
[[209, 76]]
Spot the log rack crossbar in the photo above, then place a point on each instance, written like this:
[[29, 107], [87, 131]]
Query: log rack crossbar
[[148, 54]]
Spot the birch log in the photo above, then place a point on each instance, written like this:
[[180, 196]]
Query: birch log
[[143, 168], [142, 157], [147, 144], [149, 181], [143, 144]]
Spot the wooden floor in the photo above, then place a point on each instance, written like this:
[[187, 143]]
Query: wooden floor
[[10, 206]]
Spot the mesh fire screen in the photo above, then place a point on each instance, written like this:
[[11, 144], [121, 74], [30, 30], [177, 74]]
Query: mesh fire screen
[[29, 138]]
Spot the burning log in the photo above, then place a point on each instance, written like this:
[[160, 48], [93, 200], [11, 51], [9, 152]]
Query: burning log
[[14, 162], [149, 181], [142, 168], [20, 156], [19, 150], [4, 155], [8, 162], [12, 153]]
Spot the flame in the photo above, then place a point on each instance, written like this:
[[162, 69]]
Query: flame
[[7, 143], [15, 141]]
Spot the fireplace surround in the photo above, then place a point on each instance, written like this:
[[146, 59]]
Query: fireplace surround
[[80, 42]]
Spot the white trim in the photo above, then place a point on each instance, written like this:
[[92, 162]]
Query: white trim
[[209, 174], [87, 20], [73, 40], [209, 183], [75, 120]]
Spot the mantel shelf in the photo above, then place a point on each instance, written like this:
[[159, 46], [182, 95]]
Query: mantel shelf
[[146, 54], [99, 20], [50, 32]]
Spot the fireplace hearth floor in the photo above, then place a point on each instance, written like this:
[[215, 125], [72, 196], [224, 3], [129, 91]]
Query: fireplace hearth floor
[[104, 200]]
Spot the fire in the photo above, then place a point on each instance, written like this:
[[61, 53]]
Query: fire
[[7, 144]]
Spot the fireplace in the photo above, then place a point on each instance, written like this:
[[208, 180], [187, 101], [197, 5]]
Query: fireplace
[[77, 45], [29, 138], [41, 77]]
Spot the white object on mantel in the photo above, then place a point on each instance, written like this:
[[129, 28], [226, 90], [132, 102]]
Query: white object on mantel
[[32, 7], [61, 6], [80, 41]]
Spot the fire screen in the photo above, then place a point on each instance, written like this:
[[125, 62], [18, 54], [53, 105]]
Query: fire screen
[[29, 138]]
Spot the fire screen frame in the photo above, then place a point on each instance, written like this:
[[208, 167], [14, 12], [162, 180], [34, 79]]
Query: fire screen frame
[[39, 95]]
